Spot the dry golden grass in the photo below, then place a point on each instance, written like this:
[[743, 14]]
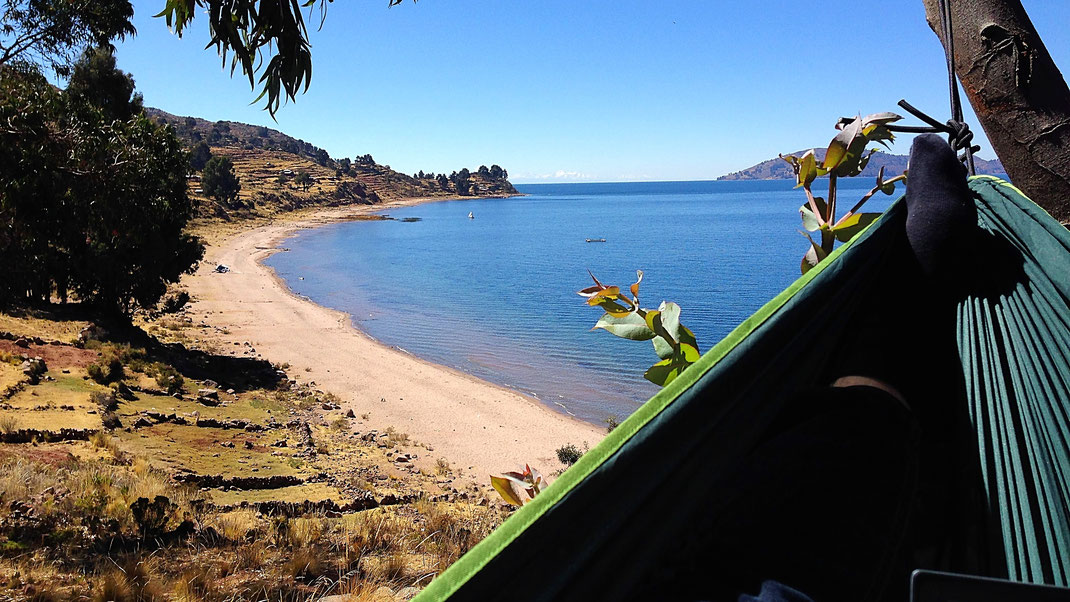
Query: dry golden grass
[[313, 492], [50, 420], [235, 525], [395, 438], [366, 554], [174, 447], [25, 573], [110, 445], [257, 407], [41, 324], [10, 375], [95, 488]]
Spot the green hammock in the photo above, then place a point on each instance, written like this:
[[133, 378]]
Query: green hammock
[[599, 528]]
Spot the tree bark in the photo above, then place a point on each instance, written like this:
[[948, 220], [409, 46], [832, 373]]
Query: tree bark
[[1019, 95]]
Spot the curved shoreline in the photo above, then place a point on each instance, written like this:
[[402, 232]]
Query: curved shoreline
[[478, 426]]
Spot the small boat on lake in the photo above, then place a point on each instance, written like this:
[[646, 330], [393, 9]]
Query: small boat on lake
[[471, 216], [596, 240]]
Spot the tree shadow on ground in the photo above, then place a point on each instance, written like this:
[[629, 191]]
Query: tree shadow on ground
[[238, 373]]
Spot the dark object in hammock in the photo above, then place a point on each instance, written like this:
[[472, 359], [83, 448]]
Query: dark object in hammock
[[596, 240]]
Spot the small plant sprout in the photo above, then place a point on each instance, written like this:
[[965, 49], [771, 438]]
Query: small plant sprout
[[846, 156], [511, 485], [674, 343]]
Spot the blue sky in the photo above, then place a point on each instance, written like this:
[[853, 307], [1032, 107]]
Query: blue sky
[[560, 91]]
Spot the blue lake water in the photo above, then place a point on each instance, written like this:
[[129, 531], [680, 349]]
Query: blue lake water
[[495, 296]]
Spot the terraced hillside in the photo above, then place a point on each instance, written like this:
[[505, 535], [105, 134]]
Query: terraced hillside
[[268, 162], [133, 468]]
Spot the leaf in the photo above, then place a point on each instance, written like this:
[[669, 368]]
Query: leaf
[[853, 225], [662, 373], [862, 163], [837, 150], [534, 479], [536, 476], [508, 489], [874, 127], [611, 293], [687, 337], [591, 291], [653, 319], [879, 134], [880, 177], [663, 348], [690, 353], [635, 287], [665, 371], [889, 186], [810, 221], [630, 326], [883, 118], [613, 308], [807, 169], [670, 318], [812, 256]]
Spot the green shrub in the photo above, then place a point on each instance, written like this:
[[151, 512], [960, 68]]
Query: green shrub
[[612, 422], [107, 369], [168, 378], [568, 454]]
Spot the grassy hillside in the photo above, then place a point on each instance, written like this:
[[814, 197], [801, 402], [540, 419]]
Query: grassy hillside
[[266, 160], [135, 468]]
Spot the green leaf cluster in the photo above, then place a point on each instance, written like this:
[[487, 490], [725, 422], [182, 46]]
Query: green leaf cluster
[[53, 33], [513, 485], [268, 38], [846, 156], [673, 342]]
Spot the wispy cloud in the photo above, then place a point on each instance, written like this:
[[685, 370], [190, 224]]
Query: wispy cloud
[[559, 175]]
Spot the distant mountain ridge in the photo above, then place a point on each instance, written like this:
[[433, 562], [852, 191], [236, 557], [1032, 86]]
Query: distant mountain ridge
[[778, 169]]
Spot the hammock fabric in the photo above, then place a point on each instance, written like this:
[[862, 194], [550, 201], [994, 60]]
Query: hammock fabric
[[607, 522]]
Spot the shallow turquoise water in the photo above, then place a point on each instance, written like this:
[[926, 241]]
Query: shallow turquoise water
[[495, 296]]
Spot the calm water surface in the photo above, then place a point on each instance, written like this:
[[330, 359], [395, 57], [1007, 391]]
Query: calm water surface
[[495, 296]]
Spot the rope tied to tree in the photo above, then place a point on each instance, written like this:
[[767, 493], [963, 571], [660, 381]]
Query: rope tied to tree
[[953, 86], [958, 132]]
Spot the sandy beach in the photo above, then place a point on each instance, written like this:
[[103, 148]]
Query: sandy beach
[[477, 426]]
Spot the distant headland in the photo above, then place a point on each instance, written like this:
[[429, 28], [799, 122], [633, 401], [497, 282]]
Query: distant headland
[[778, 169]]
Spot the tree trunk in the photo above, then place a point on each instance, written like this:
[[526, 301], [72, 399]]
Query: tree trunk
[[1018, 93]]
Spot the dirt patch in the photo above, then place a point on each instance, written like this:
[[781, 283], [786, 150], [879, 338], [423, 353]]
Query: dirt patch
[[56, 356], [46, 454]]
